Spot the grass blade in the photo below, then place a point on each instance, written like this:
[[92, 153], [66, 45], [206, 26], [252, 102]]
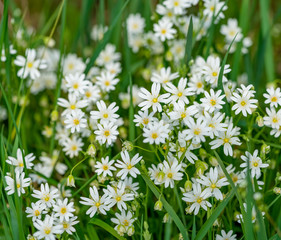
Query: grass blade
[[188, 45]]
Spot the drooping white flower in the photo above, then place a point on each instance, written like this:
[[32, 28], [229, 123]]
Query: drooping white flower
[[19, 161], [19, 182]]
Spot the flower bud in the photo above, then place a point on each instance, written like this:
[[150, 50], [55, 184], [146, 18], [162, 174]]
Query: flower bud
[[265, 148], [127, 145], [213, 161], [54, 115], [70, 181], [277, 190], [131, 231], [121, 229], [188, 185], [158, 206], [202, 152], [257, 196], [161, 176], [123, 132], [92, 150], [200, 171], [166, 218], [259, 121]]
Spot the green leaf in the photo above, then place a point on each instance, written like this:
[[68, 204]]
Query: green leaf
[[106, 227], [167, 206], [210, 221], [188, 45]]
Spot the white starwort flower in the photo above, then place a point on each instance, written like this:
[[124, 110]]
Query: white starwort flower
[[128, 165], [104, 113], [135, 24], [67, 226], [46, 196], [197, 198], [156, 132], [73, 103], [153, 99], [75, 121], [35, 211], [213, 183], [172, 173], [213, 101], [30, 66], [273, 119], [106, 133], [144, 118], [178, 6], [47, 229], [164, 76], [273, 97], [215, 123], [124, 220], [19, 182], [105, 167], [226, 236], [76, 84], [197, 130], [19, 161], [107, 81], [227, 139], [72, 146], [182, 113], [97, 203], [108, 55], [164, 29], [63, 210], [255, 163], [231, 30]]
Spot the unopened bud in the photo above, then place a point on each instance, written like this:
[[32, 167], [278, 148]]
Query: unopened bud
[[259, 121], [131, 231], [54, 115], [257, 196], [123, 132], [158, 206], [213, 161], [265, 148], [121, 229], [92, 150], [161, 176], [188, 185], [127, 145], [70, 181], [199, 171], [202, 152], [166, 218]]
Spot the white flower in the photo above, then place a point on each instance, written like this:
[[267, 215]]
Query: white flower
[[178, 6], [67, 226], [30, 66], [11, 50], [106, 133], [36, 210], [226, 236], [135, 24], [214, 8], [124, 219], [255, 163], [156, 132], [213, 101], [144, 118], [72, 104], [97, 203], [104, 113], [213, 183], [108, 55], [118, 196], [172, 173], [179, 93], [128, 165], [182, 113], [164, 76], [153, 99], [273, 97], [98, 31], [20, 183], [243, 102], [273, 119], [164, 29], [211, 70], [92, 93], [105, 167], [107, 81], [231, 29], [76, 84], [197, 130], [75, 121], [47, 229], [227, 139], [215, 124], [72, 146], [19, 161], [45, 195], [63, 210], [73, 65], [197, 198]]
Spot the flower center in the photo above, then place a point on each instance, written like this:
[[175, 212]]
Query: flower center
[[76, 121], [213, 102], [274, 99], [36, 213], [169, 175], [70, 66], [226, 140], [145, 121], [47, 231], [154, 135], [106, 133], [255, 164], [65, 225], [176, 4], [74, 148], [29, 64], [179, 94], [135, 26], [182, 149], [183, 115], [129, 166], [98, 204], [72, 106], [215, 74], [199, 200], [63, 210], [47, 198], [88, 94], [154, 100], [105, 115], [105, 167], [126, 223], [107, 83], [199, 85], [118, 199], [243, 103], [21, 164], [275, 120], [18, 185], [163, 31], [75, 85], [197, 131], [213, 186]]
